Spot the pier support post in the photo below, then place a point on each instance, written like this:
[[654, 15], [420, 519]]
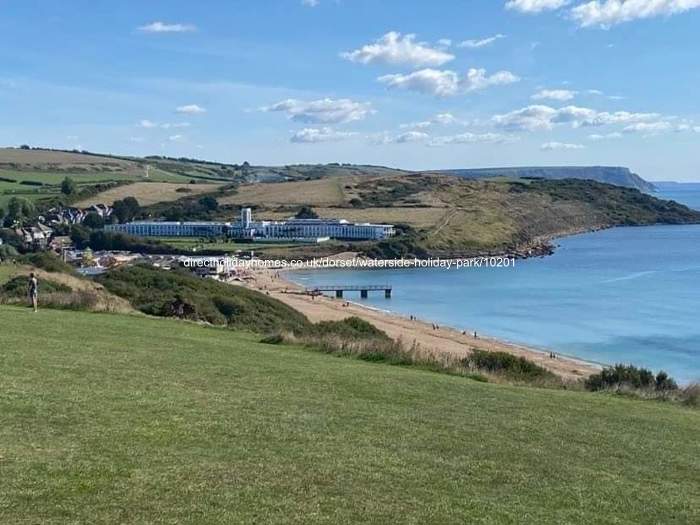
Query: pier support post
[[339, 294], [363, 294], [387, 293]]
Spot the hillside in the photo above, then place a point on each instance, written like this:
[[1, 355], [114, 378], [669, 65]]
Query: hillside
[[123, 419], [452, 216], [36, 174], [609, 174]]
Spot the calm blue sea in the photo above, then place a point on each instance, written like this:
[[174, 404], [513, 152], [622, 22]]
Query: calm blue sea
[[621, 295]]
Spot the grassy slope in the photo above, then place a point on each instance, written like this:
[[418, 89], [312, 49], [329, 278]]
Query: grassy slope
[[51, 167], [107, 419], [455, 217]]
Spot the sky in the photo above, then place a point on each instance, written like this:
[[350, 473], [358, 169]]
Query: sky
[[403, 83]]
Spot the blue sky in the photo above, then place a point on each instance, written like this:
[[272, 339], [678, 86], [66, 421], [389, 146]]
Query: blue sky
[[412, 84]]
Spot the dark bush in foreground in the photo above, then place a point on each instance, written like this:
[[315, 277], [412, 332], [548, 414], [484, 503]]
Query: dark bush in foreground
[[49, 262], [17, 287], [630, 377], [352, 327], [178, 293], [509, 365]]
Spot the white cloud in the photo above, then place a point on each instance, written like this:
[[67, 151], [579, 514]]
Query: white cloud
[[423, 124], [168, 125], [175, 138], [444, 42], [149, 124], [322, 111], [190, 109], [403, 138], [432, 81], [551, 146], [607, 13], [395, 49], [316, 135], [530, 118], [540, 117], [445, 83], [162, 27], [476, 44], [535, 6], [310, 3], [561, 95], [477, 79], [471, 138], [652, 128], [606, 136], [444, 119]]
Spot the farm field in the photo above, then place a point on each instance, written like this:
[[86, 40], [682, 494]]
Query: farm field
[[37, 174], [128, 419], [320, 192], [149, 192]]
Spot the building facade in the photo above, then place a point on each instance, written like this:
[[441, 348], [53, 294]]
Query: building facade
[[172, 229], [247, 228]]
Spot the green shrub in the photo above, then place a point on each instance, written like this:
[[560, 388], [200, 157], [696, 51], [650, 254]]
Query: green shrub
[[17, 287], [351, 327], [178, 293], [505, 364], [630, 377], [48, 261], [7, 252]]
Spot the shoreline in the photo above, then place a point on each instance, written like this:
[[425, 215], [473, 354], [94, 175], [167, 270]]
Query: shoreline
[[443, 340]]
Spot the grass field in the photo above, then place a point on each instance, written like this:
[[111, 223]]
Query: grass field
[[148, 193], [51, 167], [122, 419], [321, 192]]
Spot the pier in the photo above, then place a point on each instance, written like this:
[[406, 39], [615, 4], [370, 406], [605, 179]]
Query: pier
[[340, 289]]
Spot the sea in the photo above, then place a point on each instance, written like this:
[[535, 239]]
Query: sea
[[624, 295]]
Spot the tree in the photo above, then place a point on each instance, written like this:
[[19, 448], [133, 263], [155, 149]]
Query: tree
[[94, 221], [68, 186], [126, 209], [209, 203], [80, 235], [19, 209], [306, 212]]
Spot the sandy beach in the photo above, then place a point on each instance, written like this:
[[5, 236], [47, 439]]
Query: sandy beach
[[444, 339]]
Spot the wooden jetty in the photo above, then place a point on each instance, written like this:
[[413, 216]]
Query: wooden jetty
[[340, 289]]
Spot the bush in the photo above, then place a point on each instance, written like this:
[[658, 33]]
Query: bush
[[49, 262], [178, 293], [7, 252], [17, 287], [505, 364], [630, 377], [690, 395], [352, 327]]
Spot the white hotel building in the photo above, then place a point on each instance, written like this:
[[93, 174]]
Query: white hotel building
[[302, 230]]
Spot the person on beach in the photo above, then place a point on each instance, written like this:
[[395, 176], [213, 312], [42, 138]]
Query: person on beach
[[33, 291]]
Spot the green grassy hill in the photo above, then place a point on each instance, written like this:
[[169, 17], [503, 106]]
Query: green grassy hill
[[452, 216], [125, 419]]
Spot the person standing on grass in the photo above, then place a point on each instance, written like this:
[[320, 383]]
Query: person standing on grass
[[33, 291]]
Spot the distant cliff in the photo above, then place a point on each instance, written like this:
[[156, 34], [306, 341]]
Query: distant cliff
[[609, 174]]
